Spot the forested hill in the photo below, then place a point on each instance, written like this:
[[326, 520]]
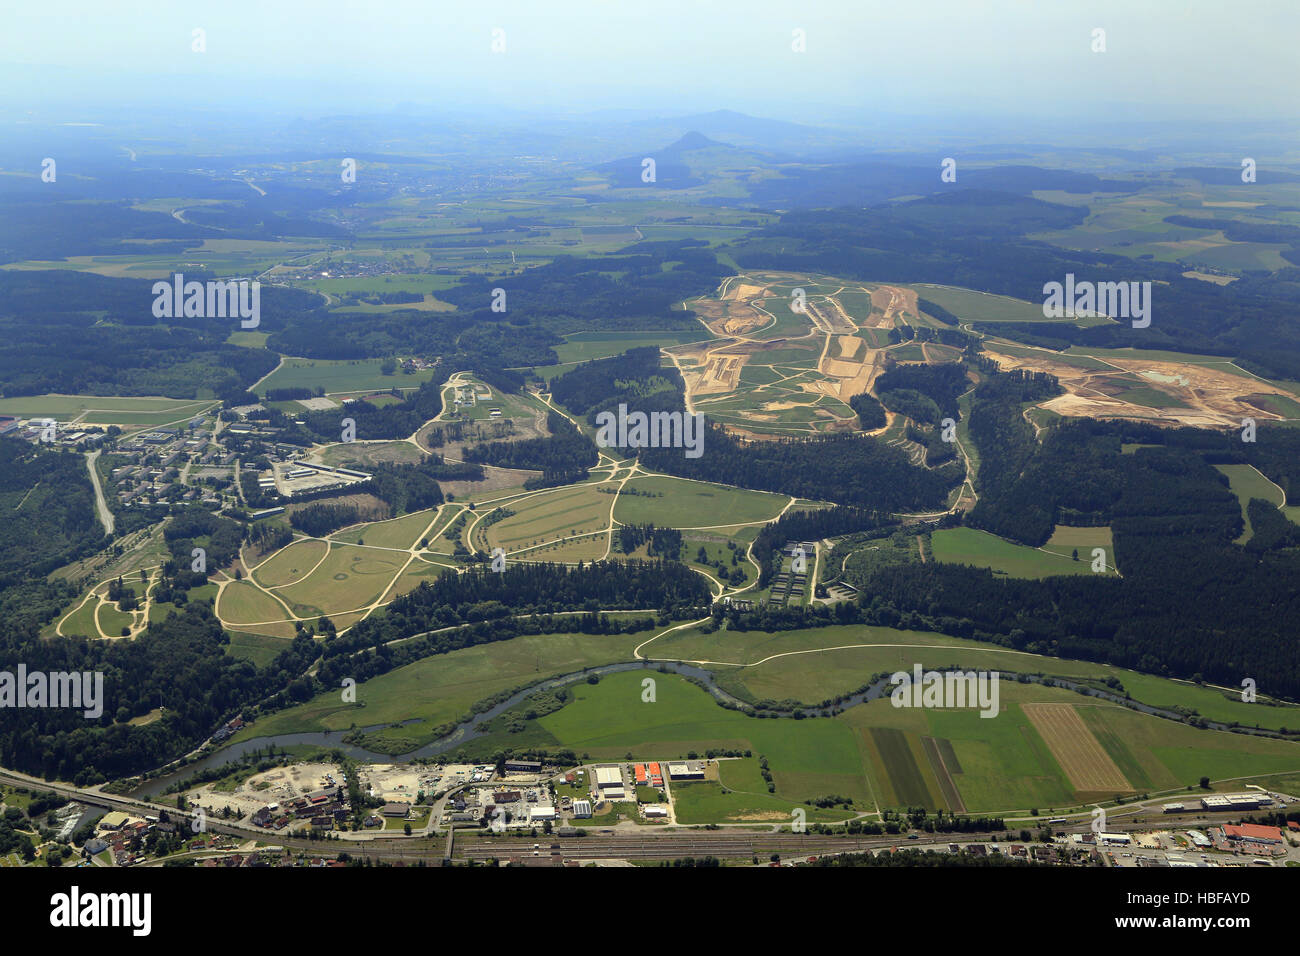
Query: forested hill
[[49, 509], [1190, 602]]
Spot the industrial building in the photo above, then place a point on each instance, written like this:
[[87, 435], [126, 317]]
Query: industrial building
[[608, 777], [690, 770], [1235, 801], [581, 809], [1252, 833]]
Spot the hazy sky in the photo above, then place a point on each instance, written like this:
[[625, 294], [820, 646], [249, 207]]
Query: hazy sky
[[1169, 58]]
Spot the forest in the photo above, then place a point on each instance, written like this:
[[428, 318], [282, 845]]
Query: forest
[[849, 469]]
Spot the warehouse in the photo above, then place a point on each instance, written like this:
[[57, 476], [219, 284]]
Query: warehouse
[[1252, 833], [581, 809], [608, 777], [686, 771], [1235, 801]]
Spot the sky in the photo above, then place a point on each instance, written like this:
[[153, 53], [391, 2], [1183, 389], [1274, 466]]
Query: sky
[[1172, 59]]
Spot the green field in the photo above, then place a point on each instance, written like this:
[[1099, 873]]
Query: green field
[[241, 602], [971, 306], [984, 550], [813, 665], [584, 346], [1247, 483], [105, 410], [290, 563], [548, 517], [349, 578], [877, 753], [444, 687], [740, 796], [681, 503], [354, 375], [398, 533]]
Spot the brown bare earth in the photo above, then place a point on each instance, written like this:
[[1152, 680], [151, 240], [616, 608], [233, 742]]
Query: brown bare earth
[[846, 365], [1200, 395], [1082, 758]]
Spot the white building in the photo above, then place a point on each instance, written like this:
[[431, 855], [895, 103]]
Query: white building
[[541, 813], [609, 777], [581, 809]]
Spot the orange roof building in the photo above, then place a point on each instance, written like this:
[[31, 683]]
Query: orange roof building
[[1253, 833]]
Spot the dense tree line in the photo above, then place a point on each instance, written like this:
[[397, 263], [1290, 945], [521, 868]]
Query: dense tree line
[[565, 452], [319, 519], [661, 542], [78, 333], [49, 509], [802, 525], [603, 383], [871, 414], [851, 469], [413, 486], [1190, 602], [941, 384], [220, 537], [375, 422], [1006, 444]]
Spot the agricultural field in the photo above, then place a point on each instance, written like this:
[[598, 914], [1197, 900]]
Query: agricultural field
[[740, 796], [399, 534], [1041, 752], [105, 410], [337, 377], [549, 517], [984, 550], [814, 665], [680, 503]]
